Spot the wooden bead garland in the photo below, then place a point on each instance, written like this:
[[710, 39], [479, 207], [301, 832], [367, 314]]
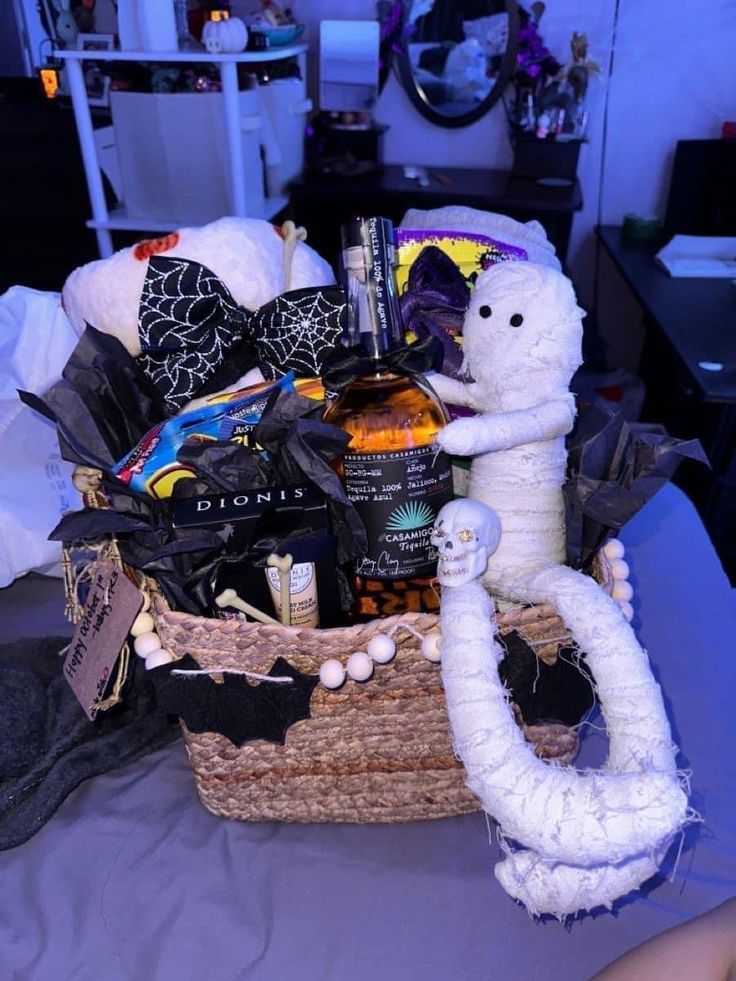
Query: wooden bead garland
[[143, 624], [381, 649], [332, 673], [147, 643], [623, 591], [359, 666], [431, 646]]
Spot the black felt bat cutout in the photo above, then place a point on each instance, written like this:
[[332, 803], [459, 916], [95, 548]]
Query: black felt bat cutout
[[236, 709], [560, 692]]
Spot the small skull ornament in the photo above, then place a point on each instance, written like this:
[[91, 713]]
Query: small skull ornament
[[465, 534]]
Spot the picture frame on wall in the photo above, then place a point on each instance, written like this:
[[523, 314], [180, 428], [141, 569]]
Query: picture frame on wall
[[96, 42], [97, 85], [96, 82]]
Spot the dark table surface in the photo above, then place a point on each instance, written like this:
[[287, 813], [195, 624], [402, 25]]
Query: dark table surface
[[697, 317], [450, 185]]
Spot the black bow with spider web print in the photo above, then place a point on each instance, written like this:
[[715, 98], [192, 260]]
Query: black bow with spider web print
[[297, 330], [188, 323]]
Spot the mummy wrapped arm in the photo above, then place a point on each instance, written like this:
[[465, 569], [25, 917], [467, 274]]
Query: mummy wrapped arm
[[452, 390], [491, 432]]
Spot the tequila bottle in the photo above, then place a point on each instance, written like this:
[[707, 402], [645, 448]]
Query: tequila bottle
[[394, 474]]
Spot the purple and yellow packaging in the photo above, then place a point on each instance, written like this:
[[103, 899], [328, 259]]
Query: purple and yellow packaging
[[436, 271], [470, 251], [152, 467]]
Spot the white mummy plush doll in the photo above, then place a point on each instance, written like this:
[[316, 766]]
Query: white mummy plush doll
[[521, 344], [587, 838]]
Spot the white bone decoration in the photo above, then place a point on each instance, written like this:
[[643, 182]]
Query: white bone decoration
[[573, 840]]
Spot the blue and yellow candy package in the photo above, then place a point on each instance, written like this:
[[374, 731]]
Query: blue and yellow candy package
[[152, 466]]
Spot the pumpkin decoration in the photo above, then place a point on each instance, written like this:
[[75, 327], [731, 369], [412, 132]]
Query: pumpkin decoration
[[225, 36]]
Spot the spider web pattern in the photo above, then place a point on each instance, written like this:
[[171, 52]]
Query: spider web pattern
[[187, 322], [297, 330]]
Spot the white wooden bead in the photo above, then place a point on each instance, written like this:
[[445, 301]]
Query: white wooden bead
[[360, 666], [431, 646], [331, 673], [381, 648], [157, 658], [614, 549], [628, 611], [620, 569], [622, 590], [146, 644], [143, 624]]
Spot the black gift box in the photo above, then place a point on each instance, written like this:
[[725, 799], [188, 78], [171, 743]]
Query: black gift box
[[289, 519], [234, 517]]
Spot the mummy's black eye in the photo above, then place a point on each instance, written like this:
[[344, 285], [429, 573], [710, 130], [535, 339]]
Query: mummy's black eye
[[484, 311], [516, 320]]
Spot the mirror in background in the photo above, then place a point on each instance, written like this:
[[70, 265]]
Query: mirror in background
[[348, 76], [457, 56]]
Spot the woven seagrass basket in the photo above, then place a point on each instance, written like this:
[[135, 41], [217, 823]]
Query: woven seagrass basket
[[379, 751]]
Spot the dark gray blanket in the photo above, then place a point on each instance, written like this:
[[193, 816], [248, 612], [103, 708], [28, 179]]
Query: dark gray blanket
[[47, 743]]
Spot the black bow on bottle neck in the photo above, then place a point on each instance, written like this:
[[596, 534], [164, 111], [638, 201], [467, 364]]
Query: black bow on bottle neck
[[344, 364]]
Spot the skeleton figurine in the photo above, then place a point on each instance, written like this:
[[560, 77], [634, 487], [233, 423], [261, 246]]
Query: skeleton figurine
[[588, 837]]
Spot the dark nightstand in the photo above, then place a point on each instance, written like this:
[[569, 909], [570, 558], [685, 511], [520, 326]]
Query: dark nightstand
[[689, 323]]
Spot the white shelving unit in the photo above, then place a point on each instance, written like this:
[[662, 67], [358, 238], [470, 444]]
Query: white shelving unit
[[103, 220]]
